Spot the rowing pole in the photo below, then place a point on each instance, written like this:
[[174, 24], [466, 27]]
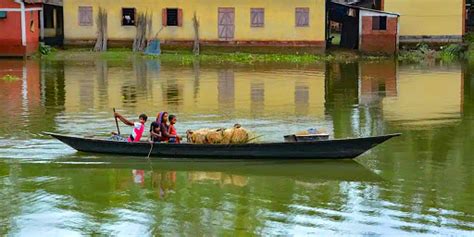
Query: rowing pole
[[116, 123]]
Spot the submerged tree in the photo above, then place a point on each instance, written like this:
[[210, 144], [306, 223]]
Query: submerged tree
[[196, 48], [144, 26], [101, 44]]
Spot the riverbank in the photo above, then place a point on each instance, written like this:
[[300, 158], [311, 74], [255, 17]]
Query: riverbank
[[421, 53], [212, 57], [446, 53]]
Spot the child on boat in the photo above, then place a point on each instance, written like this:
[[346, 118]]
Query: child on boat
[[172, 133], [138, 128], [155, 132]]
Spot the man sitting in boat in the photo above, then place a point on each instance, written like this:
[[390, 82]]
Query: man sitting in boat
[[138, 127]]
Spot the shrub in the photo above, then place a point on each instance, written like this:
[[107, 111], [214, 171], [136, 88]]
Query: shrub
[[451, 52], [44, 49]]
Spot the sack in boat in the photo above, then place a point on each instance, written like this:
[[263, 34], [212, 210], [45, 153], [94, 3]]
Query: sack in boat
[[198, 136], [215, 136], [234, 135]]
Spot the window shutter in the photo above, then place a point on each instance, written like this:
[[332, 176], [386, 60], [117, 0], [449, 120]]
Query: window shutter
[[257, 17], [81, 16], [180, 17], [226, 23], [85, 16], [260, 18], [302, 17], [298, 17], [163, 17], [375, 23]]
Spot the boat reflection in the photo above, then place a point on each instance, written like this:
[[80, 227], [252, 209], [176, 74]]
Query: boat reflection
[[164, 182], [231, 171], [166, 177]]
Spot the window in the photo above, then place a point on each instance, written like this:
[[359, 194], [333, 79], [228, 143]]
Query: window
[[49, 15], [379, 23], [85, 17], [257, 17], [3, 15], [302, 17], [128, 16], [172, 17]]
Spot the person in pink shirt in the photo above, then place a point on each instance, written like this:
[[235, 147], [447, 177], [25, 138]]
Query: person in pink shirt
[[138, 127]]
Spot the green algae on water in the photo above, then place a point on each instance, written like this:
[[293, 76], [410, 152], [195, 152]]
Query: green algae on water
[[10, 78]]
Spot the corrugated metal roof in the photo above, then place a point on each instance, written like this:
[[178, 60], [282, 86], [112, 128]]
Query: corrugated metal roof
[[364, 9], [49, 2]]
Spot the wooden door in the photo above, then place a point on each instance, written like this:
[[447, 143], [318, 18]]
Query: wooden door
[[226, 26]]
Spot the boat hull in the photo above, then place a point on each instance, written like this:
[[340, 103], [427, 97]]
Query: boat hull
[[330, 149]]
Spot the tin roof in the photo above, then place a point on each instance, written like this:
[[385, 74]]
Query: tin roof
[[49, 2], [365, 9]]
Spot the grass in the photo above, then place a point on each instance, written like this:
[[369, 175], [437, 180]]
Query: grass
[[185, 58], [422, 53], [10, 78]]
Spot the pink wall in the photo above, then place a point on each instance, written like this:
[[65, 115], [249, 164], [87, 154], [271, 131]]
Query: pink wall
[[10, 35]]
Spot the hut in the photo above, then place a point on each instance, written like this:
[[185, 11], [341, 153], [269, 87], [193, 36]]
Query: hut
[[365, 29], [52, 32]]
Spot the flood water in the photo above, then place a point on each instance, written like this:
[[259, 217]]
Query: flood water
[[419, 183]]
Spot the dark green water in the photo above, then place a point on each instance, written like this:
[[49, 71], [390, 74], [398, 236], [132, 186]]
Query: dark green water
[[420, 183]]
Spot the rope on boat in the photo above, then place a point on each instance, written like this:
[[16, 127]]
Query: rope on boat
[[148, 157]]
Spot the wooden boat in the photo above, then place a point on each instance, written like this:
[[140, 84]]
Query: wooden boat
[[330, 149]]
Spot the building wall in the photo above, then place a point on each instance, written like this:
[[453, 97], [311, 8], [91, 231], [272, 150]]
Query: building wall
[[378, 41], [32, 32], [436, 20], [10, 38], [279, 20]]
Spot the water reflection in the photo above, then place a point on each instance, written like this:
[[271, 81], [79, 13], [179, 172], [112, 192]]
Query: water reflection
[[246, 196], [341, 95], [301, 99], [257, 98], [102, 70], [354, 98], [226, 90], [418, 183]]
